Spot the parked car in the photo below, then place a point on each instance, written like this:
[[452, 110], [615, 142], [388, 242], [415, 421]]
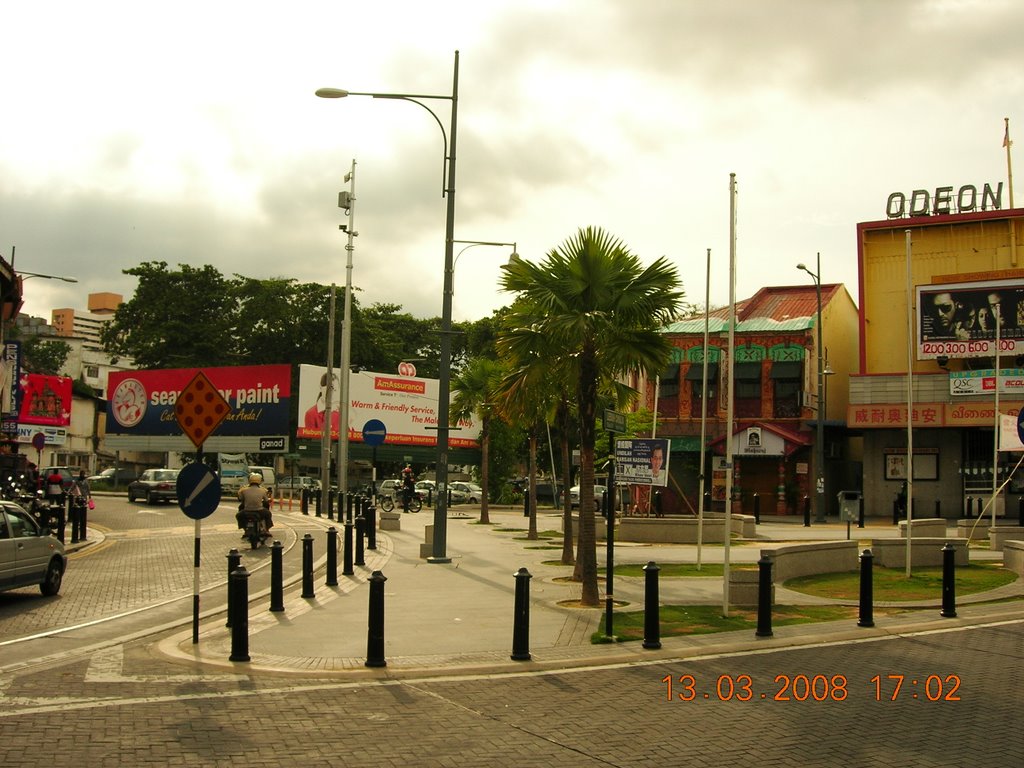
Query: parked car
[[155, 485], [472, 492], [427, 490], [574, 496], [29, 554], [67, 475], [298, 484], [548, 493], [114, 476]]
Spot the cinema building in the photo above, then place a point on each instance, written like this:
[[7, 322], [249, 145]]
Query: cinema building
[[961, 276]]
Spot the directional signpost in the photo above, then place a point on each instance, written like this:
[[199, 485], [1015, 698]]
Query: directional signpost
[[199, 409]]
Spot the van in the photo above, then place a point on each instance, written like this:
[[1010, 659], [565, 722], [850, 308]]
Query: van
[[269, 478]]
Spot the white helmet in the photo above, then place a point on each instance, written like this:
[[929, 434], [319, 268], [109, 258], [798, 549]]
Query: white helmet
[[256, 478]]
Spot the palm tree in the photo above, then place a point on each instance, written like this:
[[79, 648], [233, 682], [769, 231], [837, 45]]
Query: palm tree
[[595, 298], [474, 390]]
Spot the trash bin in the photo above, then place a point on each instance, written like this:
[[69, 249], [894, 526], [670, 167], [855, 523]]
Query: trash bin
[[849, 505]]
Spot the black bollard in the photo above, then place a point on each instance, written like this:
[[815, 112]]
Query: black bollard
[[350, 502], [707, 502], [347, 565], [867, 618], [895, 511], [234, 560], [73, 517], [521, 617], [1020, 512], [375, 628], [807, 511], [526, 502], [764, 597], [370, 515], [938, 507], [332, 557], [360, 525], [330, 506], [860, 513], [757, 508], [652, 617], [948, 582], [970, 506], [277, 577], [430, 497], [307, 566], [318, 502], [304, 501], [240, 615]]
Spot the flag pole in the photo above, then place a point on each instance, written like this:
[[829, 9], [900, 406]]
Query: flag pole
[[732, 399], [1009, 164]]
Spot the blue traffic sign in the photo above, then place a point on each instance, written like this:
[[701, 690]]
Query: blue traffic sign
[[374, 432], [198, 490]]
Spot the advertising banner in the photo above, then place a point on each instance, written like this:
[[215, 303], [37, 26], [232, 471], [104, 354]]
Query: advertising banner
[[958, 319], [142, 406], [983, 382], [642, 461], [10, 380], [407, 405], [45, 400]]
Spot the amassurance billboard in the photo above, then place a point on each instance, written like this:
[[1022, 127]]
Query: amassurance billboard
[[140, 413], [406, 404]]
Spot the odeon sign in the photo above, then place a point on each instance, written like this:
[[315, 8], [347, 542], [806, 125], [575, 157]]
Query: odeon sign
[[922, 202]]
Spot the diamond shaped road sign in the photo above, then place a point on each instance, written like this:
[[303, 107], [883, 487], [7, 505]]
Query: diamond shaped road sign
[[200, 409]]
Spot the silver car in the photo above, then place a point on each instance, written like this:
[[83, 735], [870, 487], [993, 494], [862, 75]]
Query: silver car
[[29, 554]]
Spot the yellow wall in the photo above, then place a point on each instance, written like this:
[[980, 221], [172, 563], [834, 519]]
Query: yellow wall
[[947, 250]]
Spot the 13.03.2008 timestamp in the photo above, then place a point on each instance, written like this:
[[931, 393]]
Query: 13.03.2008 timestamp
[[812, 688]]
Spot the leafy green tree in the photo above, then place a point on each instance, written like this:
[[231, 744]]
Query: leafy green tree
[[596, 297], [474, 390], [176, 319], [44, 355]]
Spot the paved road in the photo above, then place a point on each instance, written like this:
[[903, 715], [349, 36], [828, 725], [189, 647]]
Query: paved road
[[126, 706], [104, 693]]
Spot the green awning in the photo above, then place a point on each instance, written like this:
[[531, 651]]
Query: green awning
[[747, 372], [787, 370], [696, 372]]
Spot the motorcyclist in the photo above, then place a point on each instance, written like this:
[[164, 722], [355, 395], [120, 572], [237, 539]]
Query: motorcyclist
[[254, 499]]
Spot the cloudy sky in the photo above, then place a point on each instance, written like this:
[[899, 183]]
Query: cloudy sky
[[189, 132]]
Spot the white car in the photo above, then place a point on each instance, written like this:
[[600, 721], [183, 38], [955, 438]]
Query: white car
[[470, 493], [599, 491], [29, 554]]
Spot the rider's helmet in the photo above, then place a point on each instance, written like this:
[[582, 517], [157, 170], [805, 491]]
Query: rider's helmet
[[255, 478]]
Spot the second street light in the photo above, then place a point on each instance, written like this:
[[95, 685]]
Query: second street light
[[819, 442], [439, 549]]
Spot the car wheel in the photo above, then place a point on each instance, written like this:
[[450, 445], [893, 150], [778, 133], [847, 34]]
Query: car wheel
[[150, 498], [50, 584], [131, 497]]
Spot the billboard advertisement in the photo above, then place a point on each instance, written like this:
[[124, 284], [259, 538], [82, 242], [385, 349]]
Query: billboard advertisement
[[140, 411], [958, 319], [642, 461], [45, 400], [406, 404]]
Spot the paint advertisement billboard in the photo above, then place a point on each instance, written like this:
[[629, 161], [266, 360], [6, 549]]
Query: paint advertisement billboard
[[406, 404], [957, 320], [140, 412]]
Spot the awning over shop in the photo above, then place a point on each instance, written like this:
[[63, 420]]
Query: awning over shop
[[747, 371], [787, 370], [696, 372]]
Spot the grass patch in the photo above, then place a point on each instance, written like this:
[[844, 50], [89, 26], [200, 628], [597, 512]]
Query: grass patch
[[670, 570], [548, 546], [682, 620], [556, 562], [892, 584]]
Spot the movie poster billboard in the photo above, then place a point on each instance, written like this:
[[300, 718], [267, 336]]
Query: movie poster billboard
[[957, 320], [407, 405], [45, 400], [140, 411], [10, 383]]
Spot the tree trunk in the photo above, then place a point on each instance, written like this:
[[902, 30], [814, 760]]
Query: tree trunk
[[532, 535], [563, 428], [587, 553], [485, 449]]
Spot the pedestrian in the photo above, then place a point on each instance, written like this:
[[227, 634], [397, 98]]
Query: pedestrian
[[80, 489], [55, 488]]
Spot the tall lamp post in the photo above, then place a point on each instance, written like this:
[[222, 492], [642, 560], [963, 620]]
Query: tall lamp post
[[819, 442], [439, 552]]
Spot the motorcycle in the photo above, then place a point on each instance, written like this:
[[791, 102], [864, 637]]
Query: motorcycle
[[255, 529]]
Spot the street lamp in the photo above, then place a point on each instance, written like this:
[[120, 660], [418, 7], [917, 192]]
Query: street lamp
[[819, 443], [444, 378], [473, 244]]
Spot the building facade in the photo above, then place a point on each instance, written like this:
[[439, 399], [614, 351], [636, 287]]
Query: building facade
[[773, 369], [942, 296]]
